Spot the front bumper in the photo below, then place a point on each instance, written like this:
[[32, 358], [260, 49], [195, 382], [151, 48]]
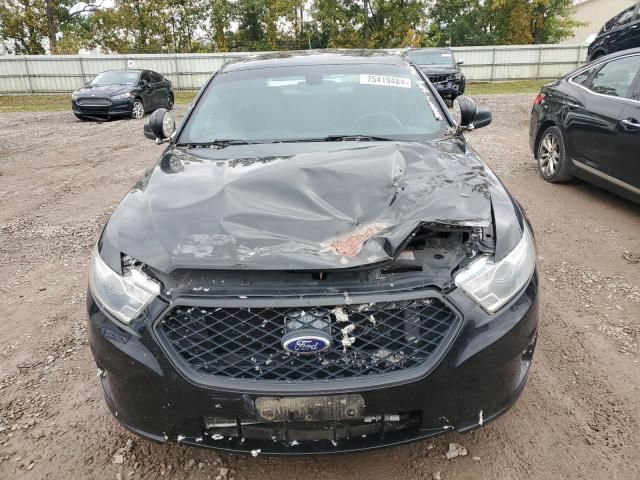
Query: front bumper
[[449, 89], [479, 377], [534, 126], [102, 107]]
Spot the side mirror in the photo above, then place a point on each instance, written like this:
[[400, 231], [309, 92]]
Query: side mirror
[[460, 61], [160, 126], [470, 116]]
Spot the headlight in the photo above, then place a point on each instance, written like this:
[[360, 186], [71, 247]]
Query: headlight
[[123, 296], [456, 76], [74, 96], [492, 284], [121, 96]]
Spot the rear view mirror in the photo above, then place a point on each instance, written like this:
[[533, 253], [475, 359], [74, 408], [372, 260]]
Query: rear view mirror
[[470, 116], [160, 126]]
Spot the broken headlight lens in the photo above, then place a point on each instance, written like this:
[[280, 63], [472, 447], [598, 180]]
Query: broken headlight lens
[[123, 296], [493, 284]]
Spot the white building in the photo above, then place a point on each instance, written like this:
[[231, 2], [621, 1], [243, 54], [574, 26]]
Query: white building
[[595, 13]]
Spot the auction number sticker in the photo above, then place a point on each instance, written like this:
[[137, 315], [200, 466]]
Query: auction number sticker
[[385, 80]]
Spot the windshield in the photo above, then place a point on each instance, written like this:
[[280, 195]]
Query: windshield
[[315, 102], [116, 77], [431, 58]]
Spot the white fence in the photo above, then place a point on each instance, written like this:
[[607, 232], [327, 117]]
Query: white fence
[[64, 73]]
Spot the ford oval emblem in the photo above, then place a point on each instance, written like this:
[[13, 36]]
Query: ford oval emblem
[[306, 341]]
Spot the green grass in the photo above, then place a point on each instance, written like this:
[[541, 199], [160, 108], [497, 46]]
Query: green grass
[[184, 98], [517, 86], [34, 103], [52, 103]]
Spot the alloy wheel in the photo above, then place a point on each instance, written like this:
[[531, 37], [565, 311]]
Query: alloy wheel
[[549, 155], [138, 109]]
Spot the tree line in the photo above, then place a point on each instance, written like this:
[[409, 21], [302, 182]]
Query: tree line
[[180, 26]]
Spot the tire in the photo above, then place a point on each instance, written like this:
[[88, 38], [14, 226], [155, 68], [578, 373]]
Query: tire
[[170, 102], [137, 110], [463, 86], [596, 56], [553, 163]]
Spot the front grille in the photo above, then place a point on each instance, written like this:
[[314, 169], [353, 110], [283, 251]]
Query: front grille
[[94, 102], [438, 78], [367, 339]]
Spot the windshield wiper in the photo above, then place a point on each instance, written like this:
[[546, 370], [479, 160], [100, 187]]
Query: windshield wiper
[[338, 138], [219, 143]]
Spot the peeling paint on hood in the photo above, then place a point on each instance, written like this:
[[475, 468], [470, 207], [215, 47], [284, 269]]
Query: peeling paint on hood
[[297, 206]]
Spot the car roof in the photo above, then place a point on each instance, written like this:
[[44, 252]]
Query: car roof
[[315, 57], [606, 58], [435, 49], [621, 53], [137, 70]]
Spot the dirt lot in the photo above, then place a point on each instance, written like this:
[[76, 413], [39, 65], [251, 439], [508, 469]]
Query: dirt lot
[[579, 417]]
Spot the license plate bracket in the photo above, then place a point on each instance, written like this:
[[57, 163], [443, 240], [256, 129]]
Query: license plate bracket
[[310, 409]]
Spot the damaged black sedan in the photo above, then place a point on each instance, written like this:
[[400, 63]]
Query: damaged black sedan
[[318, 263]]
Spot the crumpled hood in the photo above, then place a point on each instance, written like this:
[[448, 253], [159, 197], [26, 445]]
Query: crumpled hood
[[295, 206]]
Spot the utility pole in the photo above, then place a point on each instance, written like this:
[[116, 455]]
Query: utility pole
[[51, 28]]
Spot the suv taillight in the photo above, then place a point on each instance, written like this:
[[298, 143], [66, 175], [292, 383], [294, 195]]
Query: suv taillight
[[539, 99]]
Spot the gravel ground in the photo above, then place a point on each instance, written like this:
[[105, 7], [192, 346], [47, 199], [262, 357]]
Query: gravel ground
[[578, 417]]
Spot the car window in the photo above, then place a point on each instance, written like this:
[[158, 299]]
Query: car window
[[313, 102], [116, 77], [583, 77], [426, 57], [625, 17], [610, 24], [616, 77]]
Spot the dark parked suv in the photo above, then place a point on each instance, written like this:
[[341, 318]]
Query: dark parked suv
[[317, 263], [122, 93], [620, 33], [442, 69]]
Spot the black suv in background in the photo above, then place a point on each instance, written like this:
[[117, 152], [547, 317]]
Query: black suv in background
[[620, 33], [122, 93], [442, 69]]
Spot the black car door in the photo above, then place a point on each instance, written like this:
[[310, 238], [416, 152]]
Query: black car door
[[591, 124], [147, 91], [626, 152], [160, 89]]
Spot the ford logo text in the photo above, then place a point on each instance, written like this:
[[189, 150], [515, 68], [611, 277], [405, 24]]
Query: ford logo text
[[306, 344]]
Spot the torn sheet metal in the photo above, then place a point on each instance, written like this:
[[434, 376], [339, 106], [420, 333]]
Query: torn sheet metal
[[309, 206]]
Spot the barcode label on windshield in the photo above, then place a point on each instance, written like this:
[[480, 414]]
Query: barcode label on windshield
[[385, 80]]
